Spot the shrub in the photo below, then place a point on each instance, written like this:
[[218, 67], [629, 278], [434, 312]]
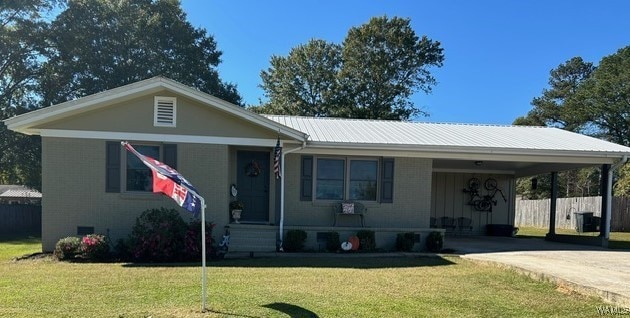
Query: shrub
[[158, 236], [405, 241], [192, 241], [333, 243], [67, 248], [95, 247], [294, 240], [435, 242], [367, 241]]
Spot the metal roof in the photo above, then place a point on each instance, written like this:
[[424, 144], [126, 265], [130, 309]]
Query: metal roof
[[11, 191], [390, 134]]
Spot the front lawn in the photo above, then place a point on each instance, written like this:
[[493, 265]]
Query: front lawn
[[281, 287], [618, 240]]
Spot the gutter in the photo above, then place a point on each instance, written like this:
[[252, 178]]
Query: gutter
[[612, 169], [281, 227]]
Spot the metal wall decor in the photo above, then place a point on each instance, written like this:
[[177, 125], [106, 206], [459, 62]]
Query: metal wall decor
[[253, 169], [481, 202]]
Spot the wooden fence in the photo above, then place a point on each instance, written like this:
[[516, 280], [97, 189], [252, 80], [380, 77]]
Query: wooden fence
[[20, 219], [535, 213]]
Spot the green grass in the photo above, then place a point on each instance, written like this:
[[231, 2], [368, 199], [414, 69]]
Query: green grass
[[11, 247], [618, 240], [279, 287]]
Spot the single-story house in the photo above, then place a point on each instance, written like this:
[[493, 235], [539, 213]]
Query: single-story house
[[402, 176], [19, 194]]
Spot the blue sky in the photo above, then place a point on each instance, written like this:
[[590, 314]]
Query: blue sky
[[498, 54]]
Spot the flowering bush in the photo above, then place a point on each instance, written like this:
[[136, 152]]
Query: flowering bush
[[158, 236], [95, 247], [67, 248]]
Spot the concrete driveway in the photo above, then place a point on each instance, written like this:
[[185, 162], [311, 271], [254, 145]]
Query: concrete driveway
[[585, 269]]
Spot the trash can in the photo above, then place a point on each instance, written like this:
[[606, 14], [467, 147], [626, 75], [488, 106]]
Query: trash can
[[584, 222], [499, 230]]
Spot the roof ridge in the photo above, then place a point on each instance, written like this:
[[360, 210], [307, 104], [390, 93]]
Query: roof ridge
[[401, 121]]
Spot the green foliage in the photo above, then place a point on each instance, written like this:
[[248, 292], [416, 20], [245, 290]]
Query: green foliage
[[304, 82], [158, 236], [333, 243], [95, 247], [127, 41], [367, 240], [67, 248], [371, 75], [294, 240], [434, 242], [405, 241]]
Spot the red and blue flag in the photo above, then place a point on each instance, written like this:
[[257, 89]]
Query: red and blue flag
[[170, 182]]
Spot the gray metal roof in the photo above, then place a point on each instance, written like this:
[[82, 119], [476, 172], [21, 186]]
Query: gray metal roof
[[17, 191], [439, 135]]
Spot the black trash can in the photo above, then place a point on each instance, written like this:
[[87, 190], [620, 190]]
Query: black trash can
[[584, 222]]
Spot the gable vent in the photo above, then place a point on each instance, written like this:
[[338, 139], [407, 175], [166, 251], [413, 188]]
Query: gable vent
[[165, 111]]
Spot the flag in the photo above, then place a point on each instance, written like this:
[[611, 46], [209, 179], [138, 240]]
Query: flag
[[170, 182], [277, 154]]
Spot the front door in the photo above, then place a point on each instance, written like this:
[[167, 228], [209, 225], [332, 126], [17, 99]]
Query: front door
[[252, 179]]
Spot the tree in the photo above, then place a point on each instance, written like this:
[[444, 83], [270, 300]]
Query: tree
[[22, 31], [100, 45], [590, 100], [558, 105], [304, 82], [371, 75], [384, 64]]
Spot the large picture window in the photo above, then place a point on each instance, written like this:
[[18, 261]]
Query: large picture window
[[139, 176], [346, 179]]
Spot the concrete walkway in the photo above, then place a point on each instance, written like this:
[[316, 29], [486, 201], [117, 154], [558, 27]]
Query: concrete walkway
[[585, 269]]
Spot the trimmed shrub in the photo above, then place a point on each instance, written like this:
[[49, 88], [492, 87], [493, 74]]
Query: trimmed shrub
[[158, 236], [367, 240], [405, 241], [67, 248], [294, 240], [434, 242], [333, 243], [192, 241], [95, 247]]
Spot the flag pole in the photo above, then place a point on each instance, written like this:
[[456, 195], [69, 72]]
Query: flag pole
[[203, 254]]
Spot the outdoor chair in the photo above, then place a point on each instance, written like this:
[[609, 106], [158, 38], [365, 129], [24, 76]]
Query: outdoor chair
[[348, 208], [464, 224], [447, 223]]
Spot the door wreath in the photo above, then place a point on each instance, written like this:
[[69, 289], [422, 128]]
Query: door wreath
[[253, 169]]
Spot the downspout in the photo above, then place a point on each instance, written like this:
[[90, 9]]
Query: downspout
[[281, 228], [609, 194]]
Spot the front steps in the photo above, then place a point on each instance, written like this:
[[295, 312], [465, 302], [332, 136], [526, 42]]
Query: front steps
[[253, 238]]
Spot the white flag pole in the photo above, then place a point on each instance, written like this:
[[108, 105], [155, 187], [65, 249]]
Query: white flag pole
[[203, 254]]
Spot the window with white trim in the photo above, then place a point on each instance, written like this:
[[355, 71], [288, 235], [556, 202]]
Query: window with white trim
[[346, 179], [165, 111]]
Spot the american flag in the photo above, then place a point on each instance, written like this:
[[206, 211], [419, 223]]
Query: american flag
[[277, 154], [170, 182]]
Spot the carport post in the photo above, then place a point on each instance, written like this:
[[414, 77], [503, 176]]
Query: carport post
[[605, 193], [552, 205]]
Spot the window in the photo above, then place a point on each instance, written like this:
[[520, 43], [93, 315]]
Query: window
[[164, 111], [139, 176], [353, 179], [330, 179], [363, 174]]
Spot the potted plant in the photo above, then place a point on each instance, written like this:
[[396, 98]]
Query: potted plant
[[236, 207]]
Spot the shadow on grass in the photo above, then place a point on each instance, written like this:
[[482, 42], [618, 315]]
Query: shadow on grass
[[314, 262], [19, 239], [292, 310]]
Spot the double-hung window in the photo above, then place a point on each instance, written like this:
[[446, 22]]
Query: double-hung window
[[346, 179]]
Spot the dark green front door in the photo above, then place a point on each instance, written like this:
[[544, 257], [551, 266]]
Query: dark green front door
[[253, 185]]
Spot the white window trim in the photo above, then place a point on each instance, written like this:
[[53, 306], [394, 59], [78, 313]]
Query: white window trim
[[157, 99], [346, 180]]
